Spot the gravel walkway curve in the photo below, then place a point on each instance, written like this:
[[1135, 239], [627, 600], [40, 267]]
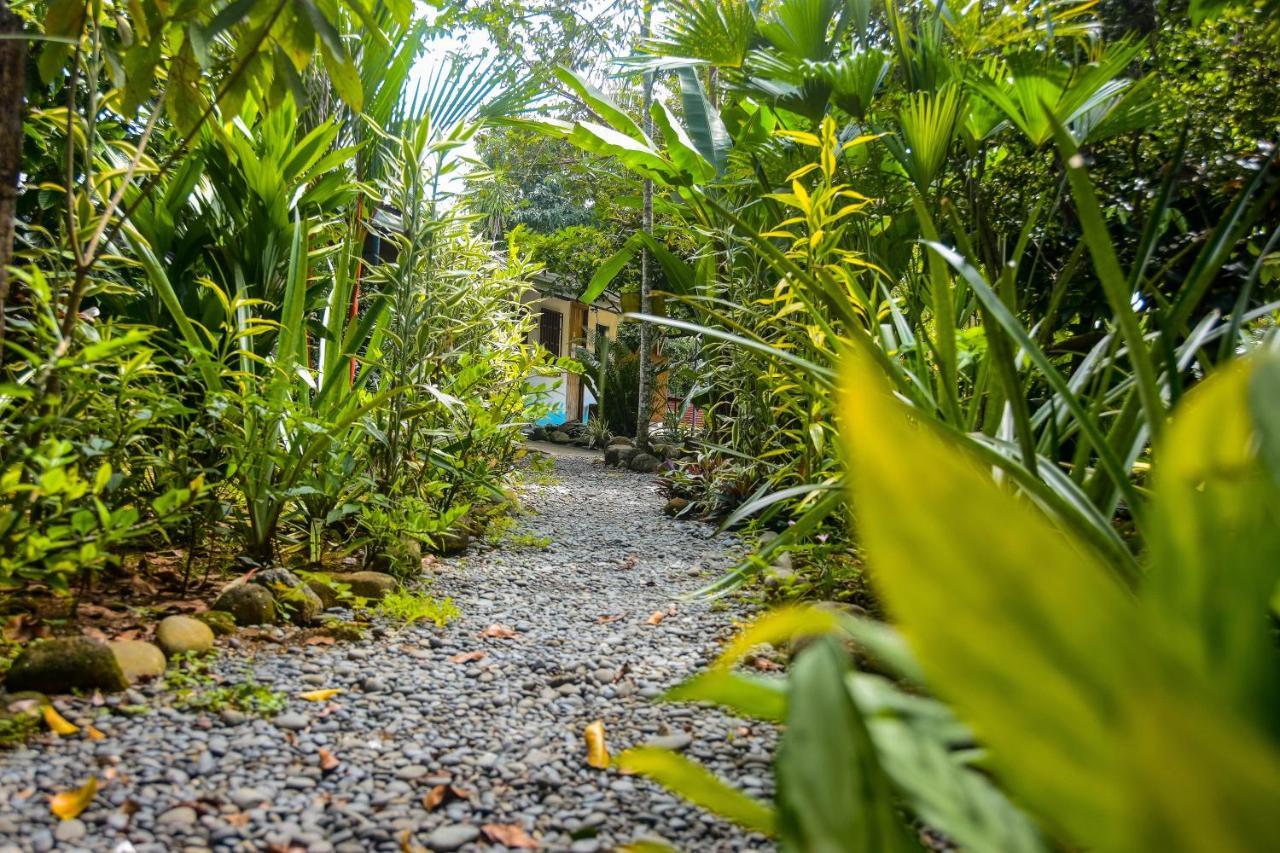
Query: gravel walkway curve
[[506, 729]]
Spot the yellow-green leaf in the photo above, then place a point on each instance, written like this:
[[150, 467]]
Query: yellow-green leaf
[[699, 786]]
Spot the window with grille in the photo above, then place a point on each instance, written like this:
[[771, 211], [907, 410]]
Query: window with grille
[[549, 330]]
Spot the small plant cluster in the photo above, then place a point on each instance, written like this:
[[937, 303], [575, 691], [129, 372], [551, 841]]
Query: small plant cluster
[[191, 680], [409, 607], [502, 533]]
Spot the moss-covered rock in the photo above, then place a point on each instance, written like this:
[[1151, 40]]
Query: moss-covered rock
[[322, 586], [644, 463], [454, 542], [180, 635], [139, 660], [370, 585], [293, 597], [620, 455], [63, 664], [248, 604], [221, 622]]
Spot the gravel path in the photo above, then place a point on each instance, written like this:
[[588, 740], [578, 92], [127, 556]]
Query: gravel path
[[505, 729]]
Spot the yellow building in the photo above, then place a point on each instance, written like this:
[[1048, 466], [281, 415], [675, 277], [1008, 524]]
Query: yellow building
[[564, 324]]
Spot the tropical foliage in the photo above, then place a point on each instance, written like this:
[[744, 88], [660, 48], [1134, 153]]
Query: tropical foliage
[[991, 233], [244, 316]]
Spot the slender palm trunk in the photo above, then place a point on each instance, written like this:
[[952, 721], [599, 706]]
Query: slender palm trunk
[[644, 405], [13, 58]]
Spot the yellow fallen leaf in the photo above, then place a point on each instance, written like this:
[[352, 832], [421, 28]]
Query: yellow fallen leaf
[[94, 734], [597, 752], [57, 722], [69, 804], [320, 695]]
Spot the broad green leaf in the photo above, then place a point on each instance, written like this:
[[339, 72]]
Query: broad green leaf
[[633, 154], [752, 696], [1215, 542], [832, 793], [64, 19], [707, 131], [698, 785], [602, 105], [680, 148], [786, 623], [1088, 713], [346, 78], [1017, 625], [608, 271]]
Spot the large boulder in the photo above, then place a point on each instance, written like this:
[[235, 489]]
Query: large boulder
[[620, 455], [322, 585], [63, 664], [370, 585], [622, 441], [560, 437], [293, 597], [248, 604], [538, 434], [453, 542], [138, 659], [644, 463], [666, 451], [180, 635]]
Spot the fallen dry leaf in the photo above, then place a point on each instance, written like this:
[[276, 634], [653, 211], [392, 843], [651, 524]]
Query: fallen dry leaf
[[93, 733], [657, 617], [600, 620], [408, 845], [331, 708], [499, 632], [319, 640], [57, 722], [69, 804], [320, 695], [630, 562], [441, 794], [508, 835], [764, 664], [238, 820], [328, 761], [467, 657], [597, 751]]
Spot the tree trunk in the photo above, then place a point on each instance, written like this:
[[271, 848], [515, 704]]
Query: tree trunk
[[644, 405], [13, 58]]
